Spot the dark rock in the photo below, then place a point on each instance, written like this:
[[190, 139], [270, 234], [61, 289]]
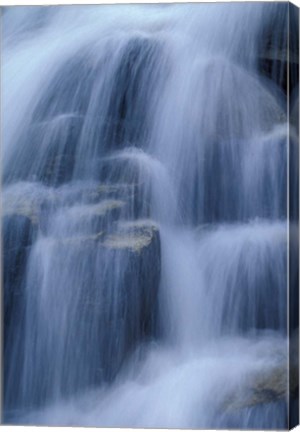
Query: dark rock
[[18, 234], [139, 244], [107, 284], [132, 92], [274, 60]]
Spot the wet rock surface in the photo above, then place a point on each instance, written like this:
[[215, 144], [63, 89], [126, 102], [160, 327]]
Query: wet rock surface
[[109, 269], [265, 387]]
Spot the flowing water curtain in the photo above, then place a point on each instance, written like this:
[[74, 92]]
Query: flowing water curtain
[[145, 215]]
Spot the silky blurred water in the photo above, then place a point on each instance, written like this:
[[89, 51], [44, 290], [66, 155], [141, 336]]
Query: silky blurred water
[[171, 100]]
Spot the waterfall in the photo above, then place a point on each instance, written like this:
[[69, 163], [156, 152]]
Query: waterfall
[[145, 215]]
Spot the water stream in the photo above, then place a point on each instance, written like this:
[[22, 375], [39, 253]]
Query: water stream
[[145, 216]]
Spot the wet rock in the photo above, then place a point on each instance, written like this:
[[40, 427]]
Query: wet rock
[[18, 235], [128, 167], [275, 64], [137, 244], [107, 284], [134, 236], [126, 113], [22, 208], [19, 231], [275, 61], [96, 200], [58, 169], [87, 219], [268, 386], [52, 144], [269, 416]]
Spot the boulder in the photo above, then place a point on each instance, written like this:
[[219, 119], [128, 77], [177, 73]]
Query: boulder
[[107, 284], [266, 387], [131, 258], [137, 244]]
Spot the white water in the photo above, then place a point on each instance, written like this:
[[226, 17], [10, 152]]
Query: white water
[[170, 98]]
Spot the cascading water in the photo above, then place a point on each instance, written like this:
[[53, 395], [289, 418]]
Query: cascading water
[[145, 216]]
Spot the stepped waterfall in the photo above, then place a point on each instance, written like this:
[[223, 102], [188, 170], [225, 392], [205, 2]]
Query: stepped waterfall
[[147, 214]]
